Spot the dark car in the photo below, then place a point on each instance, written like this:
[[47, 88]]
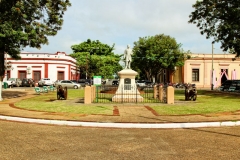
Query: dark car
[[115, 82], [84, 82], [75, 81], [27, 82], [233, 84]]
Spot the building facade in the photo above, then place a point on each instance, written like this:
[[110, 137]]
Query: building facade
[[58, 66], [198, 70]]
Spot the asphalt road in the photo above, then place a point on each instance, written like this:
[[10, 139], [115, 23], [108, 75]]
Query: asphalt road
[[36, 142]]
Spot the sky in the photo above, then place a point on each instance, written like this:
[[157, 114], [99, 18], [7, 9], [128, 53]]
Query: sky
[[122, 22]]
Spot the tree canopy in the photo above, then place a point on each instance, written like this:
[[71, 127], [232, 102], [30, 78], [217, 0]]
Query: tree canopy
[[154, 53], [219, 19], [28, 23], [96, 58]]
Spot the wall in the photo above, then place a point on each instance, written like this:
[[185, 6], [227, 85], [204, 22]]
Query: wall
[[46, 63], [204, 62]]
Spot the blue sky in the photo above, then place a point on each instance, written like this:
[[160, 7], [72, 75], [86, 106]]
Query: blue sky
[[123, 21]]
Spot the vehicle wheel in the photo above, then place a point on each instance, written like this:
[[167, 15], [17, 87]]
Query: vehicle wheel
[[75, 87]]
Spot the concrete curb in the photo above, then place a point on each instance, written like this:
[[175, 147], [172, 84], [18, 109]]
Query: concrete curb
[[123, 125]]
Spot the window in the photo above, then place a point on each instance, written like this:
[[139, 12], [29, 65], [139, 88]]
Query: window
[[195, 74]]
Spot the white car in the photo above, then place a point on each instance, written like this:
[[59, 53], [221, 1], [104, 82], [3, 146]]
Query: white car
[[9, 84], [14, 81], [45, 82]]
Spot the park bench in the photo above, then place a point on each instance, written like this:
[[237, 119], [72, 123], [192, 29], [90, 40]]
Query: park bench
[[37, 90], [45, 89], [51, 88]]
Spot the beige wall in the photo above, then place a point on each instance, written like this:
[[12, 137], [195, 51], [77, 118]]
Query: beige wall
[[203, 62]]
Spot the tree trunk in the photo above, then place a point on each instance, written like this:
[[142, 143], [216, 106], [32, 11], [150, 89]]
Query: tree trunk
[[2, 65], [2, 71]]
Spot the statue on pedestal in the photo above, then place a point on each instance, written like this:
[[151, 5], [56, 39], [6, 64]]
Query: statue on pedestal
[[128, 57]]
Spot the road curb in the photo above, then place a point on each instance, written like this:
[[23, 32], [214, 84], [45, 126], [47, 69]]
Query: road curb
[[123, 125]]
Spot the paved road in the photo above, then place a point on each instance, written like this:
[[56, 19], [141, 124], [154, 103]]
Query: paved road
[[34, 141]]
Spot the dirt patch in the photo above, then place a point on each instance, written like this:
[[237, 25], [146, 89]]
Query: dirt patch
[[13, 94]]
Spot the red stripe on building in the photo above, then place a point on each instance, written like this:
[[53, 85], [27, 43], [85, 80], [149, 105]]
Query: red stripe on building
[[46, 70]]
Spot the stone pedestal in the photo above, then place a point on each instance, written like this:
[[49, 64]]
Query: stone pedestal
[[127, 90]]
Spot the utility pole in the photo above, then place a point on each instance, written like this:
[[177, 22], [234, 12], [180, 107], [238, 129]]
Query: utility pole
[[212, 68]]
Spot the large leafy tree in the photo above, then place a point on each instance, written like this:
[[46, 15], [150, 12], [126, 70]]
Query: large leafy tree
[[28, 23], [153, 54], [219, 19], [96, 58]]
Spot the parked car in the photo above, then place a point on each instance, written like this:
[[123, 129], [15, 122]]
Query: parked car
[[27, 82], [233, 84], [115, 82], [68, 84], [54, 83], [142, 83], [75, 81], [84, 82], [9, 84], [45, 82], [15, 81], [180, 85]]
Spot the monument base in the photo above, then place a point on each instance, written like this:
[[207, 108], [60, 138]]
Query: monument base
[[127, 90], [127, 98]]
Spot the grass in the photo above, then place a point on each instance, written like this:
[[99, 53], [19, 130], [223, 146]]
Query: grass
[[207, 102], [43, 103]]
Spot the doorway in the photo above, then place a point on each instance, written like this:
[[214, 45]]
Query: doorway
[[224, 75], [36, 75]]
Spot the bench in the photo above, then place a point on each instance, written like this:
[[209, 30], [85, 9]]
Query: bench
[[51, 88], [37, 90], [45, 89]]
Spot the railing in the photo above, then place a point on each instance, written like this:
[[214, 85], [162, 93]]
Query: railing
[[128, 94]]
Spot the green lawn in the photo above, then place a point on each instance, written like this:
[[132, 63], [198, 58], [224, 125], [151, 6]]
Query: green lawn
[[207, 102], [43, 102]]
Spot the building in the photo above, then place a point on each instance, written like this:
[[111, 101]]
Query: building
[[198, 70], [58, 66]]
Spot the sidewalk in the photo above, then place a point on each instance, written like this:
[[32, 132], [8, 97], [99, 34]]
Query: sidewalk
[[122, 113]]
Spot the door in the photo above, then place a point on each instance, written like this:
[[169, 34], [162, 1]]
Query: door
[[36, 75], [22, 74], [60, 75], [224, 75]]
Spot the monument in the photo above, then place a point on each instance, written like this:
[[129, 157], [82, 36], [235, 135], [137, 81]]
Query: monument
[[127, 90]]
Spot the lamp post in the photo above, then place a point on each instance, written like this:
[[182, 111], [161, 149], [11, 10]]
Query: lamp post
[[212, 68]]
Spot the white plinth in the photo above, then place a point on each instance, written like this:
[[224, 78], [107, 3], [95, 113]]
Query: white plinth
[[127, 90]]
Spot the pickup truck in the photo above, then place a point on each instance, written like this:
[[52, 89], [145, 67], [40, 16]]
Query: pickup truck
[[15, 81], [10, 84], [45, 82]]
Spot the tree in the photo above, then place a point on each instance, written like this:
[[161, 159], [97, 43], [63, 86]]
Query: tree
[[96, 58], [219, 19], [153, 54], [28, 23]]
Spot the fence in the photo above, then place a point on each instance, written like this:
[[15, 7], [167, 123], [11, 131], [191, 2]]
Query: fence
[[126, 94]]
